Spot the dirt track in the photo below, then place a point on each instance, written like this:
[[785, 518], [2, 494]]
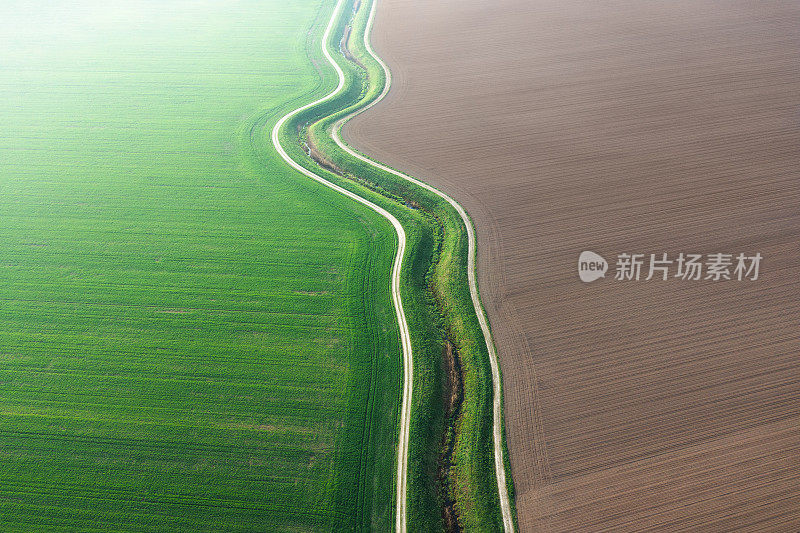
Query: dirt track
[[620, 127], [402, 324]]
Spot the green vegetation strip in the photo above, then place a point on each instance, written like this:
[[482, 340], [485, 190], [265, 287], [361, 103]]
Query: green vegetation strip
[[439, 281]]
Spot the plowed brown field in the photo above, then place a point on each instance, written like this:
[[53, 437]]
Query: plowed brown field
[[621, 126]]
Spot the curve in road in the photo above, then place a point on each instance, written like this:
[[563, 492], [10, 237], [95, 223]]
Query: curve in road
[[408, 369]]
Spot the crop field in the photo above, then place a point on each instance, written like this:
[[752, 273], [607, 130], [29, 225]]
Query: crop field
[[620, 127], [192, 336]]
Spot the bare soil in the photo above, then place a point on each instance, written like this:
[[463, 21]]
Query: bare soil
[[621, 126]]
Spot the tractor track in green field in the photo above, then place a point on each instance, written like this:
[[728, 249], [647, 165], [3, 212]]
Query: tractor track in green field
[[405, 414]]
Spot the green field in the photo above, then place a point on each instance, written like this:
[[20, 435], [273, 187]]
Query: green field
[[192, 336]]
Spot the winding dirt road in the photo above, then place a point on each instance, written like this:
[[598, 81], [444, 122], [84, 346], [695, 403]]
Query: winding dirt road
[[408, 364], [497, 404]]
